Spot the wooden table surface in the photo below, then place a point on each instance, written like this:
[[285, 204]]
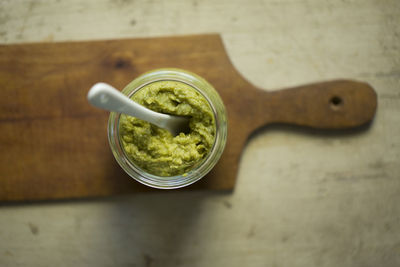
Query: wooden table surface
[[303, 197]]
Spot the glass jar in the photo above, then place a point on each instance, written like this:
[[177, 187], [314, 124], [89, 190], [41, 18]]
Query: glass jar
[[206, 164]]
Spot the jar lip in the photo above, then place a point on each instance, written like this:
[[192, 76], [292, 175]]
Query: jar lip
[[201, 168]]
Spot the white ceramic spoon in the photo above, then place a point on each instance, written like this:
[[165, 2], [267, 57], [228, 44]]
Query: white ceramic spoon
[[105, 96]]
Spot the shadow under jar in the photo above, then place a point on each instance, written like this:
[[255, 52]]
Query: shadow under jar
[[200, 168]]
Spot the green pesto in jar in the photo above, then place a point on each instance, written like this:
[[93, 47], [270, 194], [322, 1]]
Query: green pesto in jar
[[156, 150]]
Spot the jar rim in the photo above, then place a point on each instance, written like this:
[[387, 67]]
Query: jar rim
[[202, 167]]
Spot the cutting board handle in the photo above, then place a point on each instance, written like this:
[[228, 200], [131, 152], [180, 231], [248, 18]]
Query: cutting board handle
[[336, 104]]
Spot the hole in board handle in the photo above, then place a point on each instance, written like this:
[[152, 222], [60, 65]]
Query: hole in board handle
[[336, 102]]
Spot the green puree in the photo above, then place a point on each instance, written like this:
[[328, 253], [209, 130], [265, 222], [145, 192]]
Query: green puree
[[156, 150]]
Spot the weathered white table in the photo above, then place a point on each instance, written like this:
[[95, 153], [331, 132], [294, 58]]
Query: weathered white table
[[303, 198]]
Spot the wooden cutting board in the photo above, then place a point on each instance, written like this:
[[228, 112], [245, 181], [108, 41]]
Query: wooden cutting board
[[54, 144]]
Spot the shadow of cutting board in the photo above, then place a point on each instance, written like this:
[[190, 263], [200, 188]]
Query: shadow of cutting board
[[54, 144]]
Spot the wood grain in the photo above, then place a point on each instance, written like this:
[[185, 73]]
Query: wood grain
[[54, 144]]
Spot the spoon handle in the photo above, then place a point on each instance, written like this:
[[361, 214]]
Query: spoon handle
[[106, 97]]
